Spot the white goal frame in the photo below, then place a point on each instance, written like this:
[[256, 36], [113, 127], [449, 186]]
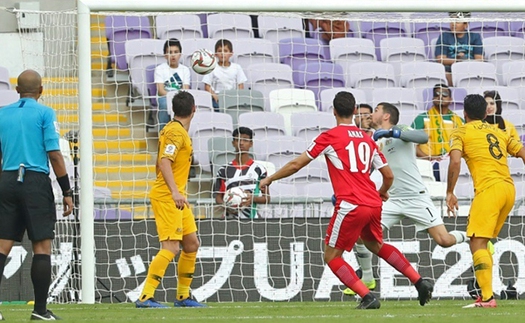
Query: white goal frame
[[84, 73]]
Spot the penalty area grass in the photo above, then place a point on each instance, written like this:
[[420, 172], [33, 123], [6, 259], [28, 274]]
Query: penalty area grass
[[405, 311]]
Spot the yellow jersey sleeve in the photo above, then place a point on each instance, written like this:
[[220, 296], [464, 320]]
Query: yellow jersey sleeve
[[514, 146], [457, 138], [171, 144]]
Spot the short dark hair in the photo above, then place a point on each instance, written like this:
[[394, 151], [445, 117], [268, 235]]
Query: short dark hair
[[366, 106], [224, 43], [182, 104], [475, 106], [172, 42], [242, 131], [344, 104], [392, 110]]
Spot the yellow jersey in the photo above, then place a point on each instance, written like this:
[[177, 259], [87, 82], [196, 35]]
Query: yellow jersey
[[510, 130], [174, 144], [485, 149]]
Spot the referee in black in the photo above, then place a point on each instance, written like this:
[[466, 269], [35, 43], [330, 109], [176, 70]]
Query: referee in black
[[29, 139]]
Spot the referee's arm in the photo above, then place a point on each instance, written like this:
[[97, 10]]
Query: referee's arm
[[59, 167]]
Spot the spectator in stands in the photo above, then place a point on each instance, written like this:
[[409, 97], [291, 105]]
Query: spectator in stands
[[241, 172], [438, 122], [494, 114], [458, 45], [326, 30], [226, 76], [170, 76], [363, 118]]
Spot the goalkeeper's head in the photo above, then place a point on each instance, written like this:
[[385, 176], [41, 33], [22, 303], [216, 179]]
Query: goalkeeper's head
[[344, 105]]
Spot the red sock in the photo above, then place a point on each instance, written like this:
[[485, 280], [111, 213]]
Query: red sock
[[396, 259], [347, 276]]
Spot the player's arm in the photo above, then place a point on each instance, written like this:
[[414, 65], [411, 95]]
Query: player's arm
[[161, 91], [166, 171], [406, 134], [520, 154], [454, 167], [59, 167], [388, 179], [290, 168]]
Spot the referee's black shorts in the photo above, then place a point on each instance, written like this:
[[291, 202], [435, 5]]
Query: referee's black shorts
[[26, 206]]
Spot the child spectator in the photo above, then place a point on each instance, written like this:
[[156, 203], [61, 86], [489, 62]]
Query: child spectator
[[170, 76], [458, 45], [226, 76]]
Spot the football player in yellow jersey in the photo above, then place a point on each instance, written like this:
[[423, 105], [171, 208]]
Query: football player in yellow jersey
[[173, 217], [485, 149]]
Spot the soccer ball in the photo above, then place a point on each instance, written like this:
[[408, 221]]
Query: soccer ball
[[233, 197], [203, 61]]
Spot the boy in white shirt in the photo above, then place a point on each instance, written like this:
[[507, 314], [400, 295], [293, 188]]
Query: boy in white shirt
[[170, 76], [226, 76]]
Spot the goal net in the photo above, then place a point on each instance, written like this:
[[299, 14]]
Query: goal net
[[293, 65]]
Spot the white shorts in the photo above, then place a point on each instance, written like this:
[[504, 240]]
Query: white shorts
[[419, 209]]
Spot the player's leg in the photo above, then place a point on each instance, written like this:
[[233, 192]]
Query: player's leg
[[187, 259], [372, 235], [364, 259], [169, 228], [342, 233], [40, 217]]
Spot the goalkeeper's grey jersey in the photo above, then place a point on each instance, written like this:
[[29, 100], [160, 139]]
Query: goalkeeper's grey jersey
[[401, 157]]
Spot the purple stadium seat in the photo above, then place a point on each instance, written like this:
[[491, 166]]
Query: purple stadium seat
[[249, 51], [141, 53], [277, 28], [319, 76], [178, 26], [297, 51], [346, 51], [112, 214], [120, 29], [150, 85], [7, 97], [458, 94], [229, 26], [426, 31], [376, 31], [5, 84], [489, 28]]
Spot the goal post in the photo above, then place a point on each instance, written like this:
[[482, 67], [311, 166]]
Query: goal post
[[87, 7]]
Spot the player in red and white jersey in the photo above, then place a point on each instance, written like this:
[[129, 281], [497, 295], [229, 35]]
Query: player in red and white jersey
[[350, 153]]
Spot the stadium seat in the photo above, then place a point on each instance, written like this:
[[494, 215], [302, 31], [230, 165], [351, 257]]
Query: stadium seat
[[297, 51], [308, 125], [151, 87], [418, 75], [402, 98], [474, 74], [5, 84], [315, 172], [280, 149], [378, 30], [8, 96], [510, 102], [120, 29], [464, 189], [289, 101], [268, 77], [500, 50], [517, 29], [229, 26], [203, 100], [188, 47], [247, 51], [327, 97], [370, 75], [515, 166], [319, 190], [489, 28], [398, 50], [263, 124], [206, 125], [276, 28], [457, 93], [236, 102], [141, 53], [406, 117], [513, 73], [319, 76], [427, 31], [347, 51], [180, 27], [221, 152]]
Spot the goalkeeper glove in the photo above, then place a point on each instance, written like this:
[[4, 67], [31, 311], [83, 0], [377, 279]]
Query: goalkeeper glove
[[381, 133]]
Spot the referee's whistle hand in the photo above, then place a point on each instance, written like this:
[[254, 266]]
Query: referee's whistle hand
[[68, 205]]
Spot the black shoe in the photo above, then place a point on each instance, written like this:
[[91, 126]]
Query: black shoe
[[49, 316], [424, 291], [369, 302]]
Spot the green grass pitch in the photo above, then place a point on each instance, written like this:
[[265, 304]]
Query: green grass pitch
[[391, 311]]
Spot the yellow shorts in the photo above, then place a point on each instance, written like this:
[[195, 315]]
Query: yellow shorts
[[490, 209], [172, 223]]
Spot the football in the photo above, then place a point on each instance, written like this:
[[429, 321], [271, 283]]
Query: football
[[203, 61], [233, 197]]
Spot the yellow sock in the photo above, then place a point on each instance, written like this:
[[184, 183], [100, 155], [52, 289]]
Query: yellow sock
[[156, 271], [483, 271], [185, 270]]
